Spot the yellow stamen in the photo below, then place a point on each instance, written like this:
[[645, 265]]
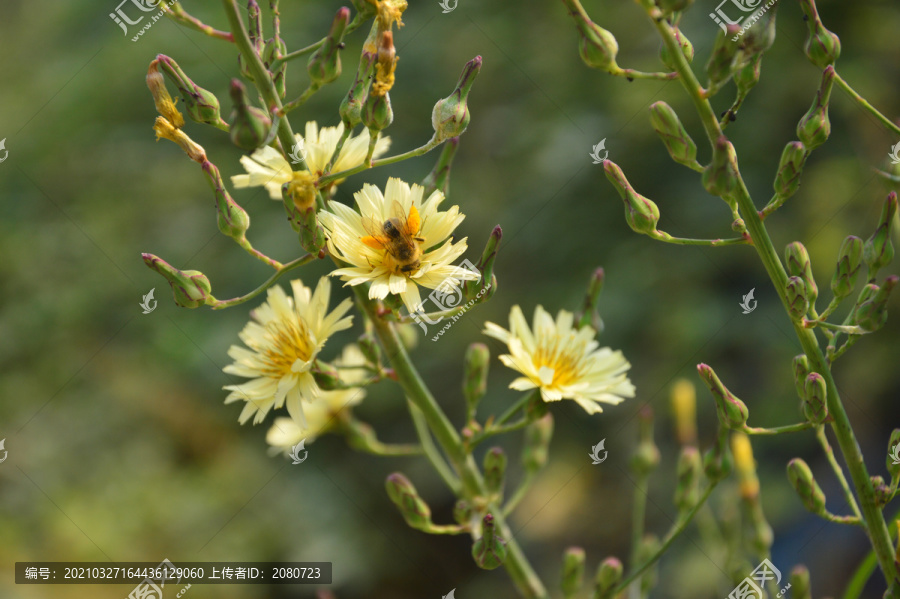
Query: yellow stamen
[[288, 341]]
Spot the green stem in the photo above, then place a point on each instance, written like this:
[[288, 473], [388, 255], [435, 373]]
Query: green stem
[[663, 236], [516, 564], [219, 305], [495, 430], [519, 493], [873, 519], [847, 330], [323, 181], [431, 451], [790, 428], [244, 243], [261, 76], [521, 403], [865, 104], [638, 514], [178, 14], [838, 471], [348, 131], [276, 64], [294, 104]]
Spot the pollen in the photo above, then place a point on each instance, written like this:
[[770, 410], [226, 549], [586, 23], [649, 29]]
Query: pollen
[[287, 342]]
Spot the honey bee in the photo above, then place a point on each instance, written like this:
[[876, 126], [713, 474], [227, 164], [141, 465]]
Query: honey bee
[[397, 236]]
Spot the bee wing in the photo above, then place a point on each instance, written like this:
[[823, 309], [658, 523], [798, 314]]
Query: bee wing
[[412, 222], [375, 238]]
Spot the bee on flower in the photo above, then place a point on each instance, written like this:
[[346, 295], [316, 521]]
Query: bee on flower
[[397, 242], [561, 361]]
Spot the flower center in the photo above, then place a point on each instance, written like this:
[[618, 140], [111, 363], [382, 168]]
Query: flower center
[[565, 363], [289, 341]]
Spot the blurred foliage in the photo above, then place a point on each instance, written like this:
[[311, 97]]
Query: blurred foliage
[[119, 445]]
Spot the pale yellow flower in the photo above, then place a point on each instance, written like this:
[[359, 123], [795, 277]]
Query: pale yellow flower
[[323, 412], [267, 167], [379, 267], [284, 337], [562, 361]]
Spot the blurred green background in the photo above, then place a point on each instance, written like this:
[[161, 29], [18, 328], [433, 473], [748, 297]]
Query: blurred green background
[[120, 447]]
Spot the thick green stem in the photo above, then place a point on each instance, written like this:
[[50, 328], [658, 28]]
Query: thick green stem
[[872, 516]]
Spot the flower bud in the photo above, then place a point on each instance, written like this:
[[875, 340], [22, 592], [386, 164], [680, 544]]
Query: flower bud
[[439, 177], [201, 105], [365, 8], [798, 302], [892, 462], [165, 105], [747, 76], [648, 547], [597, 46], [687, 489], [413, 508], [572, 571], [249, 125], [665, 122], [745, 465], [609, 573], [717, 462], [190, 287], [377, 113], [731, 410], [800, 587], [494, 470], [721, 176], [883, 492], [463, 512], [327, 376], [537, 443], [589, 315], [489, 551], [849, 259], [472, 288], [871, 314], [687, 48], [822, 47], [878, 250], [450, 116], [798, 265], [536, 408], [815, 126], [757, 39], [640, 212], [805, 485], [787, 180], [684, 409], [646, 457], [351, 105], [815, 398], [801, 371], [232, 219], [721, 59], [370, 349], [165, 130], [475, 373], [385, 65], [324, 66]]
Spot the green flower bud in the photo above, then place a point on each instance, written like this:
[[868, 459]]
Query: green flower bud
[[233, 220], [815, 126], [439, 177], [800, 588], [365, 8], [489, 551], [494, 470], [893, 458], [249, 125], [721, 176], [732, 412], [757, 39], [878, 250], [687, 48], [369, 348], [871, 314], [537, 443], [536, 408], [351, 105], [450, 116], [199, 104], [276, 47], [798, 265], [648, 547], [747, 76], [665, 122], [327, 376], [815, 398], [609, 573], [359, 435], [721, 59], [805, 485], [787, 180], [801, 371], [687, 489], [463, 512], [324, 65], [254, 30], [640, 212], [413, 508], [377, 113], [645, 458], [822, 47], [312, 235], [717, 461], [191, 288], [882, 491], [798, 302], [589, 315], [475, 373], [572, 571], [597, 46], [849, 259], [483, 288]]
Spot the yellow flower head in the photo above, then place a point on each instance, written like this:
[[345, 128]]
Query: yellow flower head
[[390, 12], [164, 130], [165, 105], [420, 253], [283, 339], [561, 361]]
